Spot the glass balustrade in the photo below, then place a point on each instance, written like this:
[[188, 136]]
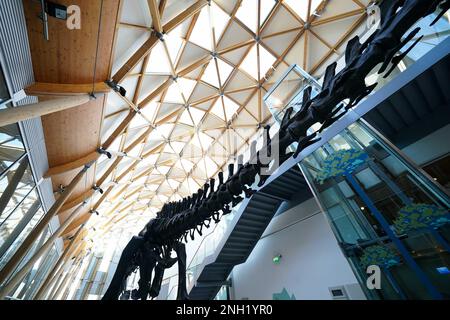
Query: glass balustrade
[[210, 244]]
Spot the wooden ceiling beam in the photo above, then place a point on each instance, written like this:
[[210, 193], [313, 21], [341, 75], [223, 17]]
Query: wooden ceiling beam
[[152, 96], [132, 25], [35, 110], [102, 198], [75, 202], [338, 17], [71, 165], [64, 89], [148, 45], [76, 224], [183, 16], [156, 18]]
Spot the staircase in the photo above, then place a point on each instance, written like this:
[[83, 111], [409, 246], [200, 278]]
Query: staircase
[[417, 109], [255, 215]]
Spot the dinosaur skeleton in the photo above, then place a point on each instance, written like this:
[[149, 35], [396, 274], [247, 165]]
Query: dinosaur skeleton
[[151, 249]]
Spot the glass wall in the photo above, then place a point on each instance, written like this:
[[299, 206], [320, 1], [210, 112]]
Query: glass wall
[[383, 213], [20, 206], [4, 94]]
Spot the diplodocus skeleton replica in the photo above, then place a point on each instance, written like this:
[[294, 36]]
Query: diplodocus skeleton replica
[[151, 251]]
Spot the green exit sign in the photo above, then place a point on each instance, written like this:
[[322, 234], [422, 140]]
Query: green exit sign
[[277, 259]]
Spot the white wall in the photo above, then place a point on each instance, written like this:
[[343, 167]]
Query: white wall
[[311, 259]]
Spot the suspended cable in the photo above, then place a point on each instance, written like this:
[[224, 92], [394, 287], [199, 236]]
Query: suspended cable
[[97, 49]]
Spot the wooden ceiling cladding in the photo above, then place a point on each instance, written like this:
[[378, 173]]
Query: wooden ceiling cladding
[[69, 57]]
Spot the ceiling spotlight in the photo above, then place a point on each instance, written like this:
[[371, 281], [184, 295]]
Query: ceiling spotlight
[[56, 10]]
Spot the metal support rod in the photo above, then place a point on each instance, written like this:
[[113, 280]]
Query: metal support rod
[[435, 294], [12, 185], [44, 249], [65, 278], [20, 227], [5, 171], [441, 193], [34, 234], [44, 19], [33, 249], [66, 268], [59, 263], [73, 275], [90, 279]]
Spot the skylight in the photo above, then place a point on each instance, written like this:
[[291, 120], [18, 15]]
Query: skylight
[[219, 20], [248, 12], [193, 185], [197, 115], [173, 183], [138, 121], [186, 86], [174, 95], [163, 170], [212, 77], [187, 165], [250, 63], [217, 109], [211, 166], [136, 151], [301, 7], [177, 146], [224, 70], [205, 140], [230, 107], [150, 110], [186, 118], [201, 34], [173, 44], [168, 149], [158, 62], [210, 18], [165, 130]]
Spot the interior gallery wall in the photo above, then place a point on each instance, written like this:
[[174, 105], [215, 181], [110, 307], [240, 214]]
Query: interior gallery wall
[[311, 260]]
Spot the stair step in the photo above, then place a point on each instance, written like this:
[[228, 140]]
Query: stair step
[[259, 209], [279, 195], [248, 229], [289, 190], [288, 178], [240, 244], [240, 236], [256, 217], [252, 223], [234, 259], [289, 186], [234, 250], [260, 198]]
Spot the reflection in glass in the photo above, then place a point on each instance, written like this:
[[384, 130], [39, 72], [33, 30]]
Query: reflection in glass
[[378, 208], [11, 146]]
